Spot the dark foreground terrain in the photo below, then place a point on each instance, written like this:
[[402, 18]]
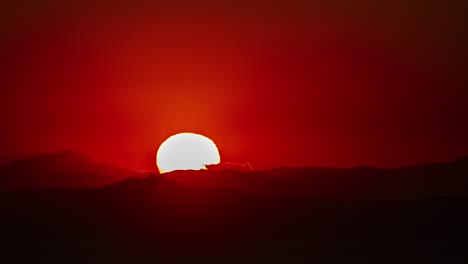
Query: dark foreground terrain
[[360, 215]]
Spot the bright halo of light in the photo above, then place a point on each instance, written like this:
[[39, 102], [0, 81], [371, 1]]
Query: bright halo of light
[[186, 151]]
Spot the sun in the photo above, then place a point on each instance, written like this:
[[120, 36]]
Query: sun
[[186, 151]]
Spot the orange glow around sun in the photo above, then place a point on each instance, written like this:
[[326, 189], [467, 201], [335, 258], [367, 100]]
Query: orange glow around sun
[[186, 151]]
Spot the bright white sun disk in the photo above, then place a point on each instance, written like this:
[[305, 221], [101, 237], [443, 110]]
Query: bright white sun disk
[[186, 151]]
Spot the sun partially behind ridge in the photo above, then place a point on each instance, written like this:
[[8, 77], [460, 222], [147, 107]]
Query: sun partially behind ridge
[[186, 151]]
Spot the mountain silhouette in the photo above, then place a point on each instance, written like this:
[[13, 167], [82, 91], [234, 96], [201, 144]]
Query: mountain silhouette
[[444, 179], [287, 215], [69, 169]]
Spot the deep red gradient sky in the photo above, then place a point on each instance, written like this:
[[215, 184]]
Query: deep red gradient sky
[[333, 83]]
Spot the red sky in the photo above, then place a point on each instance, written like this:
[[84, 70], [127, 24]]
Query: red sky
[[277, 84]]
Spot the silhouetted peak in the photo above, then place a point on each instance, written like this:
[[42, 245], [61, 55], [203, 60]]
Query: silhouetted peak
[[74, 154], [66, 158], [60, 170], [230, 166]]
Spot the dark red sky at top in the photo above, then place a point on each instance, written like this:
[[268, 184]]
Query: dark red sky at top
[[293, 83]]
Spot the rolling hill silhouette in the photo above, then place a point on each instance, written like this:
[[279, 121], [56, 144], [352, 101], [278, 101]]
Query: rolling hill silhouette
[[444, 179], [363, 215], [69, 169]]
